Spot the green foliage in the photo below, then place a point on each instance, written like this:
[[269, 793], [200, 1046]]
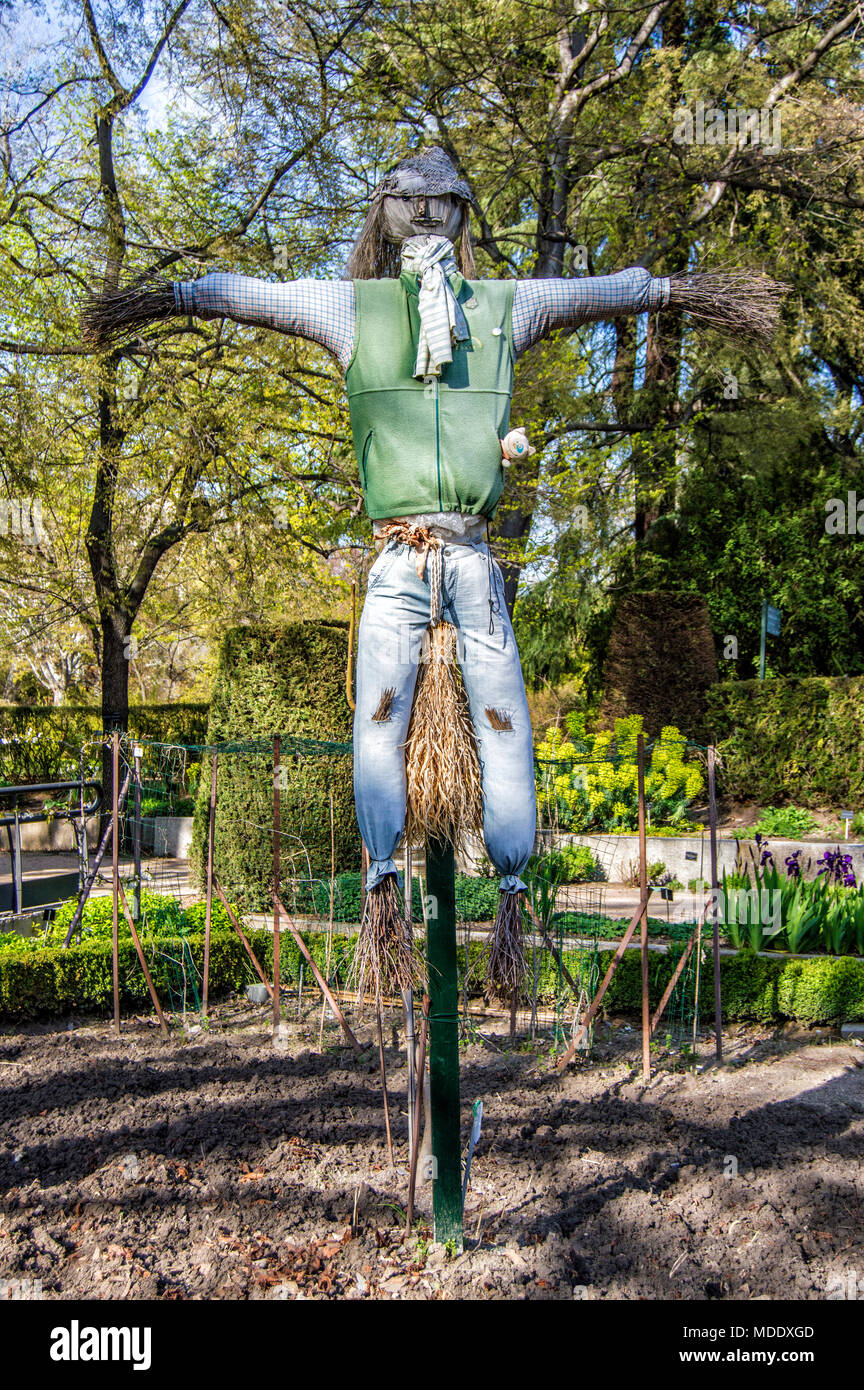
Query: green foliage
[[791, 739], [476, 898], [774, 911], [287, 679], [51, 982], [162, 806], [742, 529], [599, 793], [161, 916], [566, 864], [41, 743], [783, 822]]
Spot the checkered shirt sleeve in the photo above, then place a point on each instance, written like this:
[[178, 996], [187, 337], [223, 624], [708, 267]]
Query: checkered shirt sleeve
[[540, 306], [322, 310]]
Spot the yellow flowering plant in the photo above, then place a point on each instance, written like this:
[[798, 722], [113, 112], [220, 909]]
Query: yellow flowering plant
[[588, 782]]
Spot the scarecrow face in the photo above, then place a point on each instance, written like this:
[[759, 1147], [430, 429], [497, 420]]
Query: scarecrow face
[[409, 210]]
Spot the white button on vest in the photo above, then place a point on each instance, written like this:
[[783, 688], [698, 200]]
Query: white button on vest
[[496, 332]]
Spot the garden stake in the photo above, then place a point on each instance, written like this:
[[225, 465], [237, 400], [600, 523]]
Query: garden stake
[[604, 985], [152, 988], [81, 842], [643, 892], [100, 854], [115, 876], [712, 816], [136, 835], [384, 1087], [330, 919], [410, 1044], [695, 936], [321, 982], [239, 930], [277, 809], [696, 983], [211, 830], [421, 1068]]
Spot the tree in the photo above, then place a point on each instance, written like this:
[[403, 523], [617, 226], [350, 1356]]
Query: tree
[[185, 434], [563, 120]]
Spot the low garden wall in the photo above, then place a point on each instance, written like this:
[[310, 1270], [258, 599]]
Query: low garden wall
[[689, 856]]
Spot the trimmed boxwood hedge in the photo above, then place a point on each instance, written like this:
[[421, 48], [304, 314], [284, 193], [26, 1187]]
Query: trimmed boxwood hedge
[[284, 678], [789, 740], [53, 982]]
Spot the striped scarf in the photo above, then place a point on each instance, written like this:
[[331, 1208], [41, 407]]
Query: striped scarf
[[442, 322]]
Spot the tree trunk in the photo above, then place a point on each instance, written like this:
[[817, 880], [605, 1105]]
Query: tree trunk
[[115, 697]]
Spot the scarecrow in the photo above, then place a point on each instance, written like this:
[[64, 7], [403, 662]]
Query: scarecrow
[[428, 353]]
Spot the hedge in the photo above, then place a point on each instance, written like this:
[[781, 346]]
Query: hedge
[[790, 740], [53, 982], [660, 662], [40, 743], [290, 679]]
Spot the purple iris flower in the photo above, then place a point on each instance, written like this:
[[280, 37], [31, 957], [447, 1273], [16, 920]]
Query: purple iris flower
[[793, 868], [766, 857], [838, 867]]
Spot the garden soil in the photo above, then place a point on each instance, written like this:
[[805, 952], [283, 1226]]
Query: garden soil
[[218, 1165]]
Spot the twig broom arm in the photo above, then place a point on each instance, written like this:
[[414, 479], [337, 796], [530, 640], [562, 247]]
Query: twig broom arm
[[113, 314], [741, 304]]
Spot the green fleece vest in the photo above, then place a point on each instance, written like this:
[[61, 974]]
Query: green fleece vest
[[430, 447]]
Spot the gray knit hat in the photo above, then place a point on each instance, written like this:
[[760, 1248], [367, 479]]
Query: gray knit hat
[[437, 170]]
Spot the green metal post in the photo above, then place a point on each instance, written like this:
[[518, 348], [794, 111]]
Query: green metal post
[[444, 1043]]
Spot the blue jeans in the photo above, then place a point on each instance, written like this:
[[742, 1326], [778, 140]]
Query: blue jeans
[[395, 618]]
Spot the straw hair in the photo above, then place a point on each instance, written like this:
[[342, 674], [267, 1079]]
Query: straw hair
[[386, 960], [505, 951], [445, 796], [741, 304], [113, 314], [374, 258]]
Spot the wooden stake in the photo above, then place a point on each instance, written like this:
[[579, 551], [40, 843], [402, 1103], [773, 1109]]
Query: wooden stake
[[330, 918], [239, 930], [136, 836], [604, 985], [643, 893], [277, 810], [147, 976], [321, 982], [384, 1088], [712, 815], [211, 832], [115, 875], [667, 993]]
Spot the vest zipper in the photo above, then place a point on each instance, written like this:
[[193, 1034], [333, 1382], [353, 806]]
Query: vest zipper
[[438, 448], [365, 455]]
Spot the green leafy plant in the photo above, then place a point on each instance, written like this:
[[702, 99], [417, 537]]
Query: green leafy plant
[[783, 822], [567, 864], [588, 782]]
